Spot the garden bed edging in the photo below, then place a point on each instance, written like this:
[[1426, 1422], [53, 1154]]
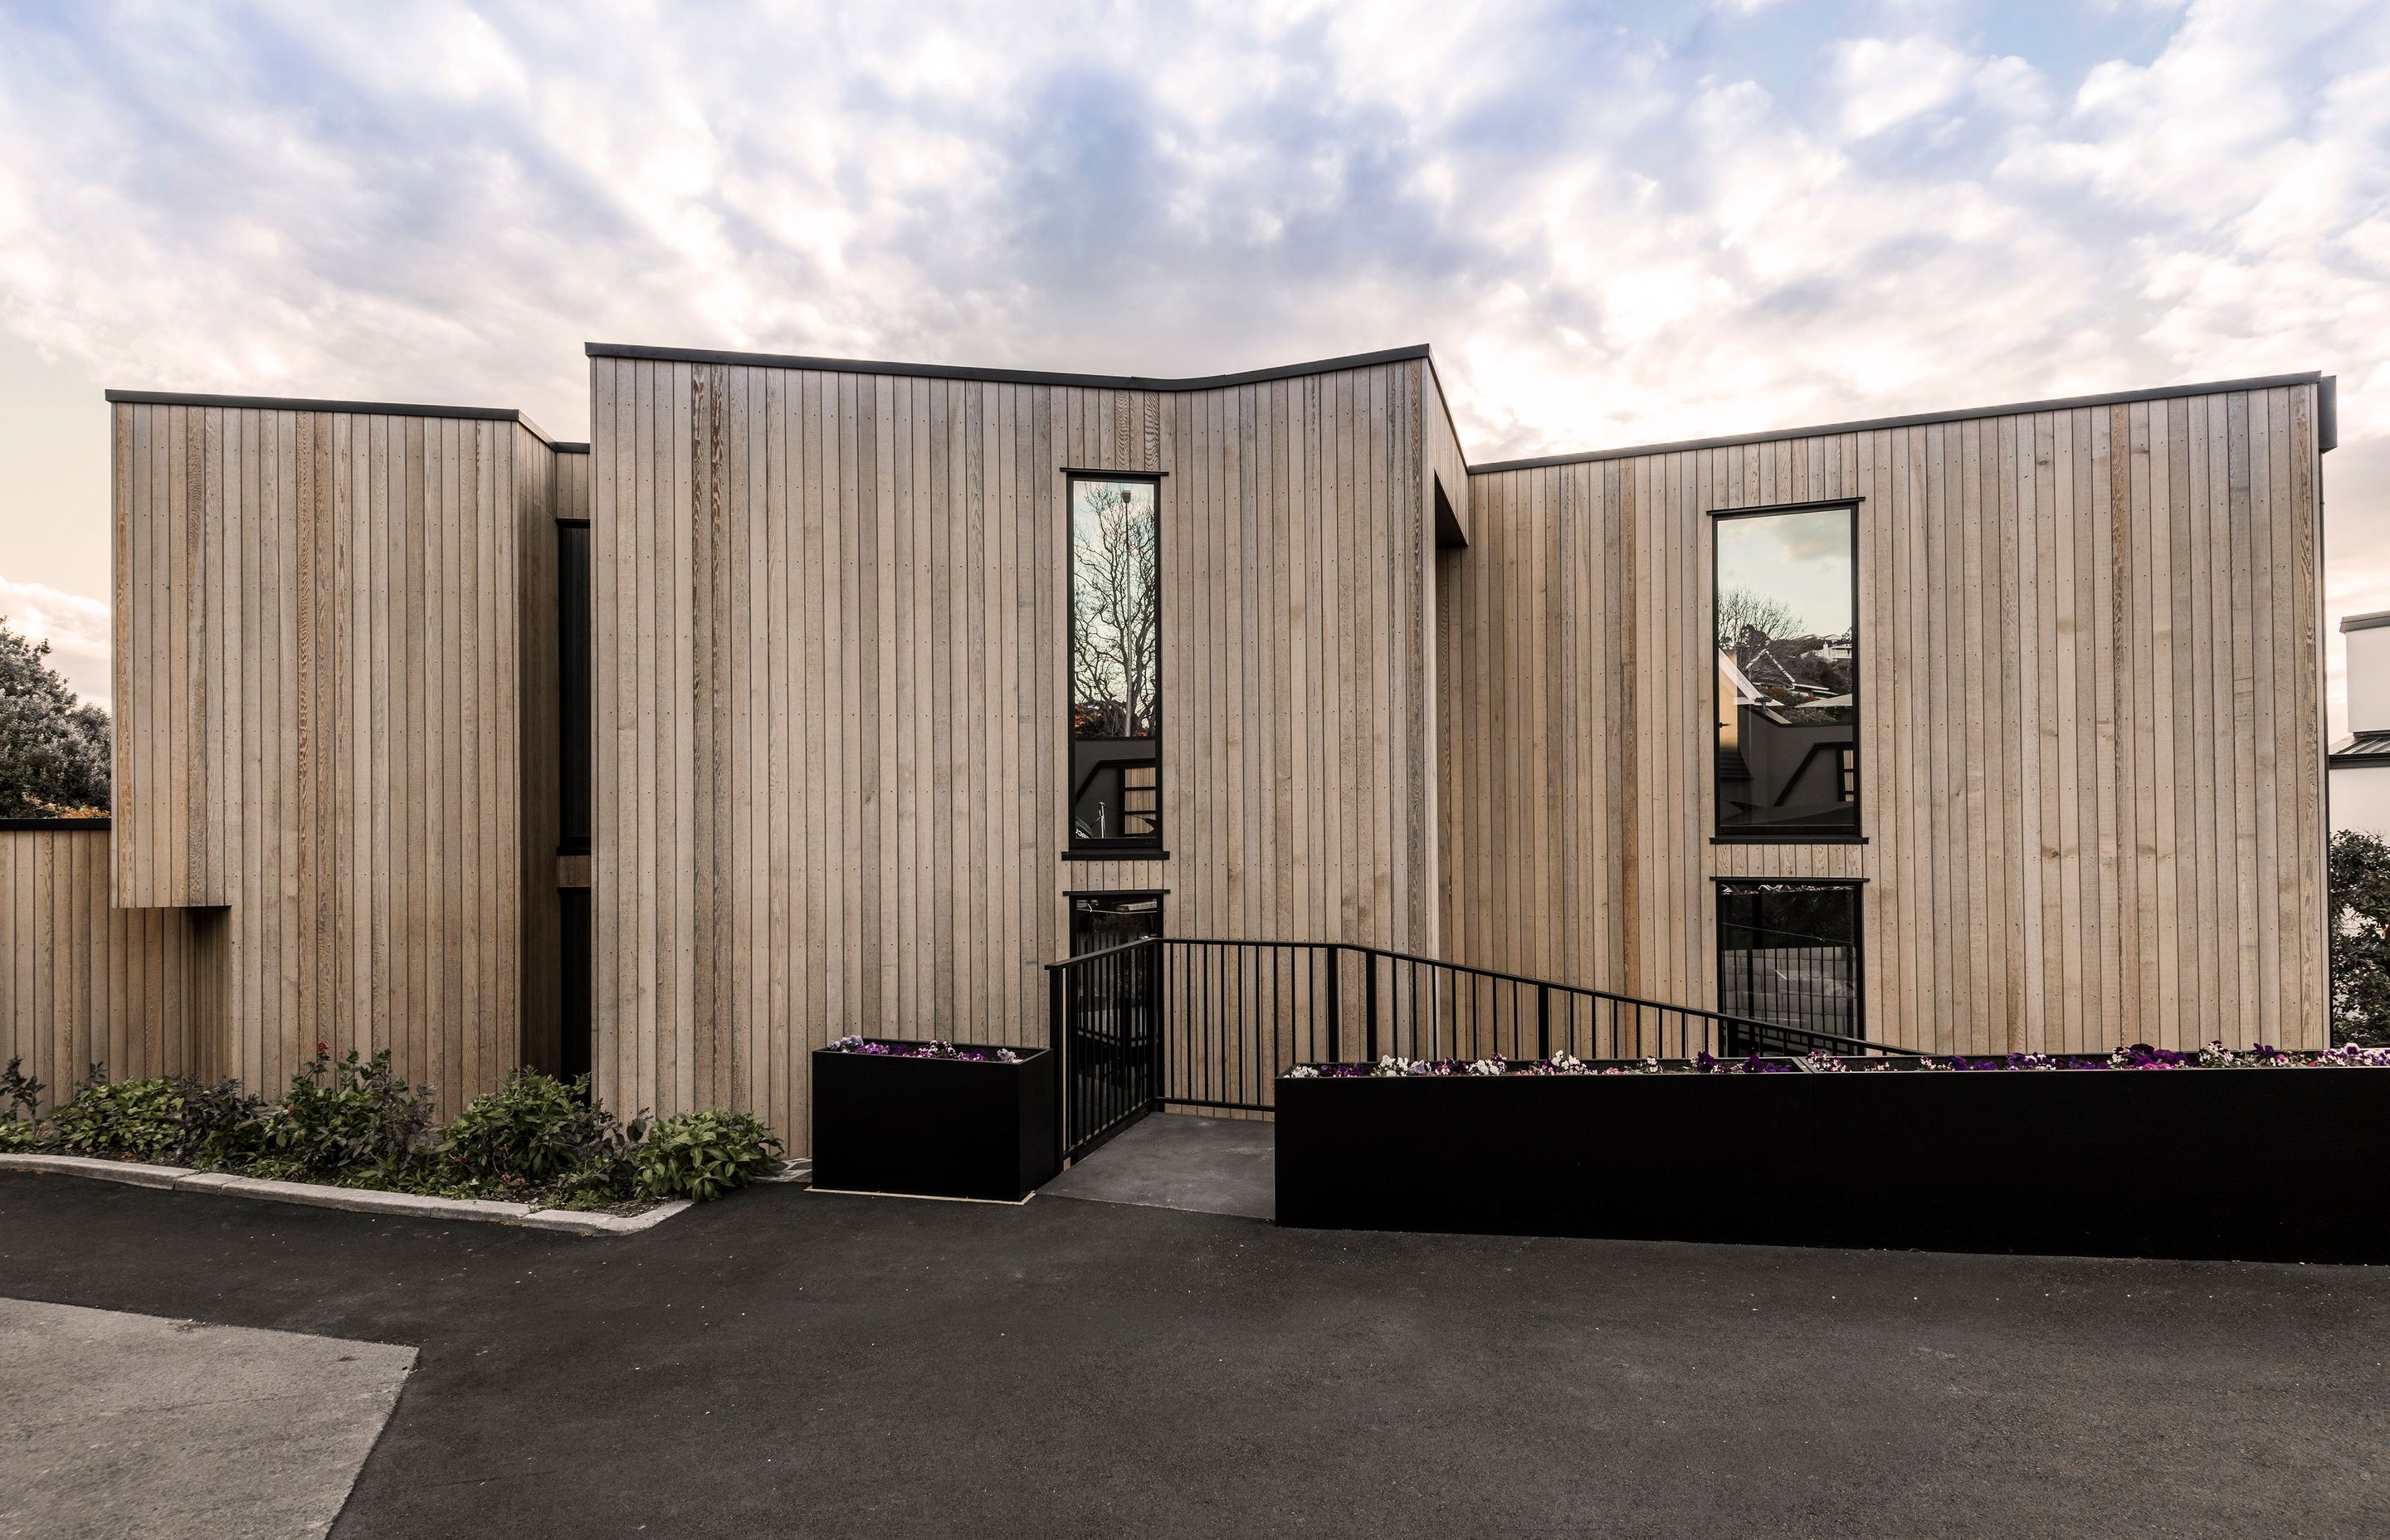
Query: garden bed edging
[[407, 1205]]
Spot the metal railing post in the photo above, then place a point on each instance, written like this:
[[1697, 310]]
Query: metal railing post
[[1370, 1000], [1335, 1007], [1157, 1064], [1057, 1039], [1542, 1020]]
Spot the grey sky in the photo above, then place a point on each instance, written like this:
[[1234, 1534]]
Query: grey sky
[[1616, 226]]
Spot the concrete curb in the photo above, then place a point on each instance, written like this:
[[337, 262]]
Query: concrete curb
[[404, 1205]]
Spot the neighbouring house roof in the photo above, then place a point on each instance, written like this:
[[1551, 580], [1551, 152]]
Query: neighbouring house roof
[[1793, 664], [2359, 751], [2366, 621]]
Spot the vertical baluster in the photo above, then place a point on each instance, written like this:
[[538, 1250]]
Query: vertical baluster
[[1369, 999]]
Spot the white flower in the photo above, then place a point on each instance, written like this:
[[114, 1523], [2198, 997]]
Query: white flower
[[1493, 1066], [1303, 1071]]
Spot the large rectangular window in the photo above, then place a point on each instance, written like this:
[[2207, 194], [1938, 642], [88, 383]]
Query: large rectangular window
[[1789, 954], [1786, 605], [1115, 792]]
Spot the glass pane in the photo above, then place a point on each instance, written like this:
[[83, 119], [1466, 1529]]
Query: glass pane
[[1115, 662], [1787, 650], [1789, 954]]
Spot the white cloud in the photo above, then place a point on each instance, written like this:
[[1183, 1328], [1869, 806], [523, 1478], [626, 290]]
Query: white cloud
[[75, 627], [1610, 235], [1882, 84]]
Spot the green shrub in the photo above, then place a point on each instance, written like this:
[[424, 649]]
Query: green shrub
[[139, 1117], [703, 1155], [538, 1131], [223, 1125], [21, 1107], [345, 1117]]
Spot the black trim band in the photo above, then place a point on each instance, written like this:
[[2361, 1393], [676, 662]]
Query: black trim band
[[1001, 377], [1919, 419], [1798, 881], [309, 404], [1096, 474], [1788, 507]]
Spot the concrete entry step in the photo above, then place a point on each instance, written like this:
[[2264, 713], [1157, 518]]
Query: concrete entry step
[[1178, 1160]]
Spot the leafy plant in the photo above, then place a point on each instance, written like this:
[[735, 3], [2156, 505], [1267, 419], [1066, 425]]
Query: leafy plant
[[538, 1131], [2358, 869], [703, 1155], [139, 1117], [20, 1095], [20, 1091], [223, 1125], [344, 1116]]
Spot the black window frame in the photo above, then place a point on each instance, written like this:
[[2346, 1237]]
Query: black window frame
[[1077, 847], [1720, 833], [1722, 887], [575, 673]]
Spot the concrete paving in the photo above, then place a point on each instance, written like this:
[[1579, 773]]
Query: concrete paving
[[797, 1363], [1177, 1160], [117, 1424]]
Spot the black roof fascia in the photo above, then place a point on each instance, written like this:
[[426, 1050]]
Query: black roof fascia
[[300, 403], [1003, 377], [2325, 437]]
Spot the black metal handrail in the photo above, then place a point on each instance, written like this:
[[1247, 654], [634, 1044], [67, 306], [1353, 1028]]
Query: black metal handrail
[[1207, 1022]]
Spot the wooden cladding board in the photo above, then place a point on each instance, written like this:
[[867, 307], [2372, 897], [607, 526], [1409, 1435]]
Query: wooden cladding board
[[318, 728], [829, 617], [571, 499], [2092, 757], [83, 983]]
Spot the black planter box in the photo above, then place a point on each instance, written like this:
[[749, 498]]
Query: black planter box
[[940, 1127], [2247, 1164]]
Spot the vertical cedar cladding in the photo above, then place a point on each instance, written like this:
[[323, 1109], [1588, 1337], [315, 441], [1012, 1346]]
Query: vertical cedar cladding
[[318, 713], [831, 695], [2091, 749], [84, 982]]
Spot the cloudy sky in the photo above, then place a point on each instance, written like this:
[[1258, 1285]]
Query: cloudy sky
[[1616, 224]]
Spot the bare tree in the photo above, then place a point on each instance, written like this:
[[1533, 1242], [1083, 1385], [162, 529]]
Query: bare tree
[[1116, 607], [1741, 607]]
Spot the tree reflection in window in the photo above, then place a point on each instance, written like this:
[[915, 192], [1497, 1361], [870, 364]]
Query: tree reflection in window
[[1115, 664], [1785, 605]]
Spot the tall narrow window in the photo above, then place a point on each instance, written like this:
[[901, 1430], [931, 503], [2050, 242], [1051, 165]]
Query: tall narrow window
[[573, 648], [1786, 605], [1788, 954], [1115, 665]]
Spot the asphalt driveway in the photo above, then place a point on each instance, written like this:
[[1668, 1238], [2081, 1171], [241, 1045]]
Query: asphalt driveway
[[793, 1363]]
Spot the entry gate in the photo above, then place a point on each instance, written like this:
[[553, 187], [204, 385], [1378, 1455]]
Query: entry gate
[[1105, 1009]]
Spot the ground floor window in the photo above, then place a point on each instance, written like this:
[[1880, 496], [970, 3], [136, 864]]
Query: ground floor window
[[1789, 954]]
